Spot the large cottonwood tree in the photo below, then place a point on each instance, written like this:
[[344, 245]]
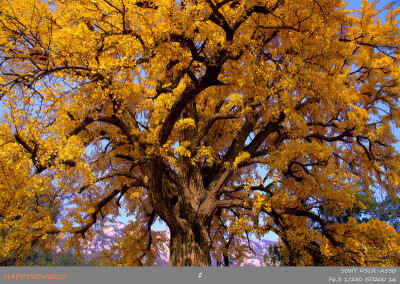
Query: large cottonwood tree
[[219, 118]]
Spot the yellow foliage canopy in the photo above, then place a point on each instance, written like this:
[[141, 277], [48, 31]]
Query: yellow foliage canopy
[[218, 117]]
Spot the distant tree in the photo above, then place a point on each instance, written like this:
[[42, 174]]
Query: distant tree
[[387, 210], [48, 258], [39, 258], [273, 256], [67, 259], [367, 207]]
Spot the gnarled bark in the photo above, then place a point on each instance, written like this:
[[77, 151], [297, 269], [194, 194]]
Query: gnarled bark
[[190, 246], [187, 208]]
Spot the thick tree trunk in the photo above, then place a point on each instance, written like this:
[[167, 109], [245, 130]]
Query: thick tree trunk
[[190, 246], [185, 206]]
